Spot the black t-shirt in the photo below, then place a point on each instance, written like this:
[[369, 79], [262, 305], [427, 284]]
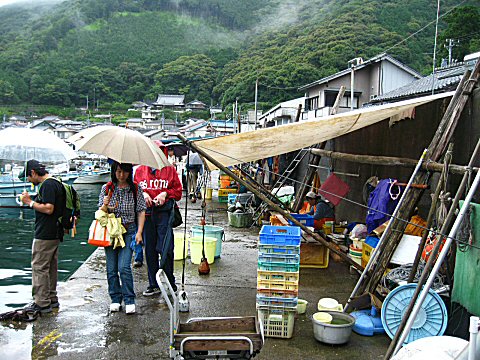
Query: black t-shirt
[[47, 226]]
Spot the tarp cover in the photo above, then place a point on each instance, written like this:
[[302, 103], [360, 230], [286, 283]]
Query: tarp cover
[[250, 146], [467, 268]]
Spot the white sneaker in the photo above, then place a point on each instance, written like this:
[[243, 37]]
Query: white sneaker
[[115, 307], [130, 309]]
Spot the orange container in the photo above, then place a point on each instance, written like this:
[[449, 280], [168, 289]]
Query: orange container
[[225, 183]]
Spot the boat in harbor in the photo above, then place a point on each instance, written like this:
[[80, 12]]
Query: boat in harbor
[[93, 177], [11, 201], [94, 173]]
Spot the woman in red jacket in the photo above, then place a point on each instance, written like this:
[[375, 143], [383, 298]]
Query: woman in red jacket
[[161, 189]]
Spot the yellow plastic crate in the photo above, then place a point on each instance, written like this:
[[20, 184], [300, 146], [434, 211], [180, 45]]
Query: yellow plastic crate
[[225, 192], [314, 255], [265, 275], [367, 251], [277, 285]]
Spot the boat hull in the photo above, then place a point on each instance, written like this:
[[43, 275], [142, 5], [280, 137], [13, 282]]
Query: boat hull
[[94, 178], [11, 201]]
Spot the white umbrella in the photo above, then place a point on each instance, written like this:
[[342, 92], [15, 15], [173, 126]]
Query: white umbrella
[[120, 144], [23, 144]]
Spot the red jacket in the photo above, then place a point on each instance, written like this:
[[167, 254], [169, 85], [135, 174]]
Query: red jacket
[[154, 181]]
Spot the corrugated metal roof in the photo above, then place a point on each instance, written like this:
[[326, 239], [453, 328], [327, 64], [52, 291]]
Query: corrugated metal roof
[[444, 79]]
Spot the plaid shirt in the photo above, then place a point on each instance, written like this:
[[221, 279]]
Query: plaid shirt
[[126, 203]]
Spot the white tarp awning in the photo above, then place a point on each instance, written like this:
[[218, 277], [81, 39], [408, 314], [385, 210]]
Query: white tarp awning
[[250, 146]]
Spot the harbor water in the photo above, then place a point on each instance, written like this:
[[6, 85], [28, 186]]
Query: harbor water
[[16, 235]]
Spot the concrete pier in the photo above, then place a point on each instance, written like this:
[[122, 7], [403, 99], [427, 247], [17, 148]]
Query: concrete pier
[[83, 328]]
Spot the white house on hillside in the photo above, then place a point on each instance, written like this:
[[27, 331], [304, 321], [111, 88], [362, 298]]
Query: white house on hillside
[[371, 78]]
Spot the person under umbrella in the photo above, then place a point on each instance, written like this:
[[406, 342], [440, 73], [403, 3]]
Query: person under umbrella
[[194, 168], [161, 189], [118, 197], [48, 208]]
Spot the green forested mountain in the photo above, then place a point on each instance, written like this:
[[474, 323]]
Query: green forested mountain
[[58, 53]]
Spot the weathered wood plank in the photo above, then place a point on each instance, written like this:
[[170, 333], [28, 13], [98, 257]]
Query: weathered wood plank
[[389, 161]]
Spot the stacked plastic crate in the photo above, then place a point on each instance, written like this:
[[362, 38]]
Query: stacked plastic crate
[[277, 279]]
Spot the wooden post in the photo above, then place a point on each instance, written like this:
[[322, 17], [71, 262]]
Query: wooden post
[[340, 94], [299, 111], [277, 208], [389, 161], [431, 213], [307, 179]]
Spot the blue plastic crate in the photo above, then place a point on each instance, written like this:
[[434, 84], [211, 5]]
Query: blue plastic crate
[[280, 235], [305, 219], [232, 198], [278, 266], [279, 258], [276, 302], [279, 249]]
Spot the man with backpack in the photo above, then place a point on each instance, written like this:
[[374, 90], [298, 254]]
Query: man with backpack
[[49, 206]]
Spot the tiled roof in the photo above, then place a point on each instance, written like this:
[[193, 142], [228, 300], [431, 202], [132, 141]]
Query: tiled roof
[[366, 63], [444, 79], [170, 100]]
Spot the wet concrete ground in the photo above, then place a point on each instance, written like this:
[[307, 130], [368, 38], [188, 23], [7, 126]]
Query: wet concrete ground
[[83, 328]]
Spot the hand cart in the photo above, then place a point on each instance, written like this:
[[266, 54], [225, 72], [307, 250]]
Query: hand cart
[[210, 337]]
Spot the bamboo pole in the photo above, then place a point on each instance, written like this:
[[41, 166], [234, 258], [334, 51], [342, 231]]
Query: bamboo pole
[[270, 203], [389, 161]]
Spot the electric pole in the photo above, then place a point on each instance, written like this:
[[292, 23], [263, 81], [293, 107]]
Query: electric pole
[[451, 44], [256, 98]]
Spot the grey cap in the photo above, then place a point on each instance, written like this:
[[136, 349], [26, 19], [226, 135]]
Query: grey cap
[[311, 195]]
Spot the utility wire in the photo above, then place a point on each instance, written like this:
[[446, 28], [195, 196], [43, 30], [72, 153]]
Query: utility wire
[[348, 200], [423, 28]]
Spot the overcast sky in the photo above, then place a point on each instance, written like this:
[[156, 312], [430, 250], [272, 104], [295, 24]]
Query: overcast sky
[[5, 2]]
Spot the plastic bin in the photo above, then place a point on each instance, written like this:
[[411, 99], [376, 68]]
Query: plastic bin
[[279, 266], [277, 285], [226, 192], [210, 231], [223, 199], [286, 294], [367, 251], [232, 199], [240, 220], [314, 255], [305, 219], [276, 302], [280, 235], [178, 248], [278, 276], [277, 323], [196, 249], [279, 249], [279, 258]]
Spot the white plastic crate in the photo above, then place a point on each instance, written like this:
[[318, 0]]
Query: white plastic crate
[[277, 323]]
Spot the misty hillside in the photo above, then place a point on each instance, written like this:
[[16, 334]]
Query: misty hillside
[[58, 53]]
